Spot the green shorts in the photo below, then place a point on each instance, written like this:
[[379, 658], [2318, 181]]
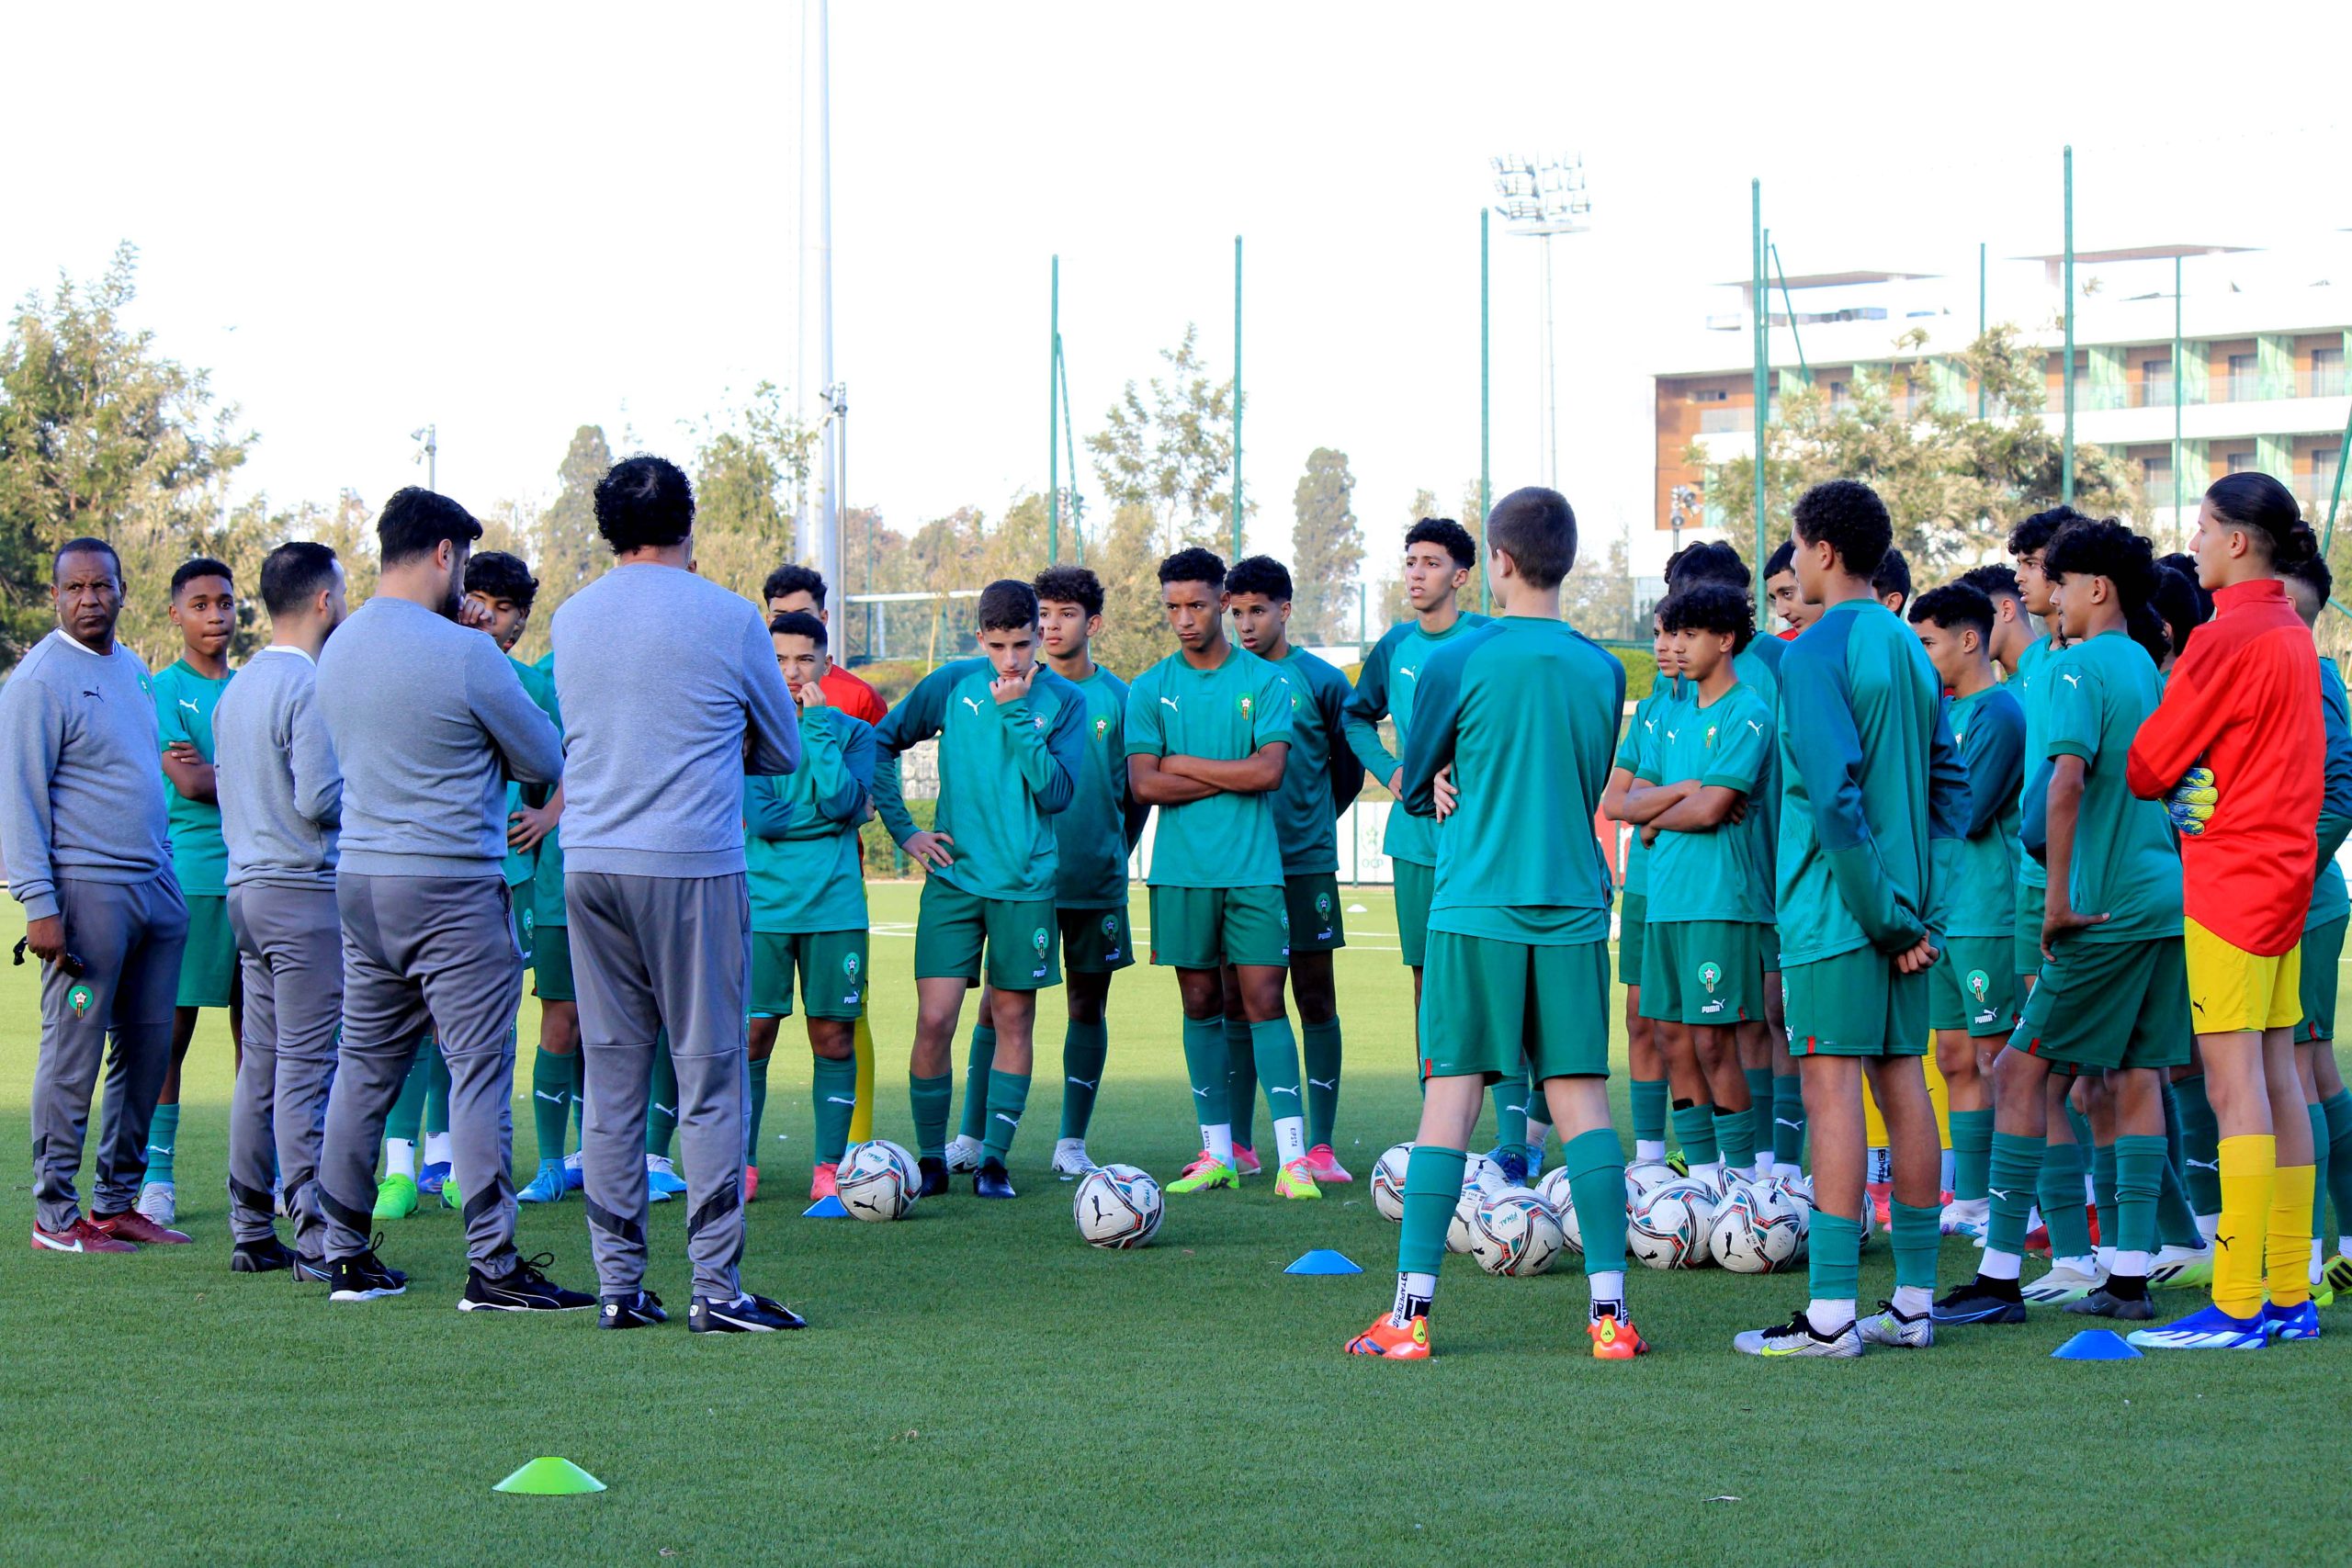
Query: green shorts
[[523, 920], [1311, 900], [209, 965], [1203, 927], [832, 973], [551, 963], [2102, 1005], [953, 927], [1707, 971], [1095, 941], [2323, 950], [1491, 1007], [1416, 886], [1971, 986], [2028, 958], [1855, 1004], [1632, 918]]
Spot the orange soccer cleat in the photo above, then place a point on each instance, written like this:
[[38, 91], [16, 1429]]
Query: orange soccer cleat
[[1614, 1339], [1384, 1339]]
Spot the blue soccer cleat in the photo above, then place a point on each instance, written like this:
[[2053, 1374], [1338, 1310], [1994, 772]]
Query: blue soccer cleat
[[430, 1180], [573, 1181], [2211, 1330], [662, 1181], [546, 1186], [2291, 1323], [1512, 1160]]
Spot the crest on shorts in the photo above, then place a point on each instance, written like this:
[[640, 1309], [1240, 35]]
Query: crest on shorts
[[1323, 905], [1978, 983], [1110, 925], [849, 966], [1711, 975], [1040, 941], [79, 999]]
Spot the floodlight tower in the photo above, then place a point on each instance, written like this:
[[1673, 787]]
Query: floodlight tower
[[1542, 197], [428, 452]]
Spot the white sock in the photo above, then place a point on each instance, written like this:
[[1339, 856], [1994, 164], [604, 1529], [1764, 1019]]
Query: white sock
[[437, 1148], [2207, 1225], [2131, 1264], [1290, 1138], [1410, 1289], [1539, 1133], [1712, 1173], [1946, 1177], [1911, 1299], [1747, 1173], [2090, 1194], [2319, 1251], [1998, 1265], [1607, 1285], [1829, 1317], [2343, 1244], [1218, 1141], [1650, 1149], [399, 1158], [1793, 1172], [1882, 1171], [2085, 1264], [2106, 1260]]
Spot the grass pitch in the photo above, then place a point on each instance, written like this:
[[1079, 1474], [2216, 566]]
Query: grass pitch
[[980, 1386]]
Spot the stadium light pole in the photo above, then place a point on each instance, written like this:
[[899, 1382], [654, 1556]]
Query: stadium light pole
[[1980, 324], [2176, 393], [1236, 396], [429, 454], [1053, 421], [1542, 197], [1486, 406], [2066, 462], [1762, 308]]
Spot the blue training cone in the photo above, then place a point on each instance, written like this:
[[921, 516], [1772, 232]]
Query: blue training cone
[[2095, 1345], [826, 1208], [1323, 1260]]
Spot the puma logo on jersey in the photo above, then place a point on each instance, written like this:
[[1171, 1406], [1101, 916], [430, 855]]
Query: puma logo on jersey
[[1756, 727], [190, 706], [2072, 679], [1408, 672], [970, 704], [1672, 733], [1169, 702]]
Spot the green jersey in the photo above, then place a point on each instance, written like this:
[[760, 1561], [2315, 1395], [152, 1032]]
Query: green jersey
[[1221, 715], [1099, 831], [2033, 694], [1524, 710], [1386, 688], [2329, 901], [2098, 692], [1989, 728], [184, 705], [1004, 770], [1321, 775], [1648, 714], [546, 882], [1723, 873], [523, 865], [800, 852]]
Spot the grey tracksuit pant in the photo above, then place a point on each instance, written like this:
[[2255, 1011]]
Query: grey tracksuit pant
[[649, 952], [425, 955], [289, 950], [129, 938]]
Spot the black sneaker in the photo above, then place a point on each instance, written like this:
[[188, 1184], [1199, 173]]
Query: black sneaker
[[266, 1256], [745, 1315], [640, 1308], [525, 1289], [1973, 1302], [360, 1278], [993, 1181], [2104, 1302], [311, 1270], [934, 1177]]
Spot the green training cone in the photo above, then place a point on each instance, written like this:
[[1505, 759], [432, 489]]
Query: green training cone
[[549, 1478]]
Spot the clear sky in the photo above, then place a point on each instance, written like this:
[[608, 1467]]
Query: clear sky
[[512, 220]]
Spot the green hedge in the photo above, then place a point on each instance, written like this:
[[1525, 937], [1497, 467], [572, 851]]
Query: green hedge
[[881, 856], [1641, 672]]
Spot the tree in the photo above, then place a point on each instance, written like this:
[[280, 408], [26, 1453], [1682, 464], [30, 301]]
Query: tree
[[570, 552], [1325, 547], [1174, 455], [1598, 596], [744, 468], [1127, 558], [101, 435]]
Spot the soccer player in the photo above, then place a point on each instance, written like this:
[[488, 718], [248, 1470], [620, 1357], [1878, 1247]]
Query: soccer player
[[1892, 582], [556, 1065], [1320, 778], [1702, 948], [1645, 1057], [654, 878], [1782, 592], [280, 793], [791, 590], [2012, 627], [807, 884], [428, 722], [1868, 777], [85, 833], [2237, 748], [1973, 992], [1208, 738], [1012, 748], [2112, 997], [204, 609], [1512, 732]]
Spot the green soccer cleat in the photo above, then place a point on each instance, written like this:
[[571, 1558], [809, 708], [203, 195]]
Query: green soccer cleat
[[2064, 1284], [396, 1196], [2338, 1275], [1204, 1174], [2181, 1268], [450, 1197]]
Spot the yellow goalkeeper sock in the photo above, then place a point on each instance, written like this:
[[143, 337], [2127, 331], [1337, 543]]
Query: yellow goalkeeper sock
[[2291, 1234], [2249, 1168]]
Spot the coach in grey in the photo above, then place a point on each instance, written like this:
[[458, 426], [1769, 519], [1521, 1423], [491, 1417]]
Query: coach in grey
[[669, 690], [281, 802], [88, 851], [428, 723]]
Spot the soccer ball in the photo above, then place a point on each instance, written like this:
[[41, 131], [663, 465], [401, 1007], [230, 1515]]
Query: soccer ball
[[1644, 1177], [1555, 1190], [1668, 1228], [1482, 1174], [1389, 1183], [1755, 1230], [1515, 1234], [876, 1181], [1117, 1207], [1459, 1230]]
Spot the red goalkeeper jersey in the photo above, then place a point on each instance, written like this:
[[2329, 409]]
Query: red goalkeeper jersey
[[2244, 699]]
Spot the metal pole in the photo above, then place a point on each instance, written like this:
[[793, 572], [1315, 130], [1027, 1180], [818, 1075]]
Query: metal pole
[[1237, 396], [1069, 450], [2175, 395], [2343, 453], [1551, 380], [1980, 324], [1757, 298], [2066, 468], [1485, 408], [828, 527], [1795, 336], [1053, 419], [1363, 611]]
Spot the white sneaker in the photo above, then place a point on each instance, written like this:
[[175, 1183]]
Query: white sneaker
[[2180, 1267], [2067, 1281], [963, 1154], [159, 1201], [1966, 1216], [1069, 1160], [1888, 1327]]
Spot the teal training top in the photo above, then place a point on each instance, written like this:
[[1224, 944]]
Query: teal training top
[[184, 705], [2098, 693], [1989, 728], [2329, 901], [2033, 696], [1648, 715], [1758, 668], [1524, 710], [1723, 873], [1386, 688], [1870, 778], [1004, 769], [1099, 831], [546, 881], [1321, 775], [523, 866], [800, 851], [1221, 715]]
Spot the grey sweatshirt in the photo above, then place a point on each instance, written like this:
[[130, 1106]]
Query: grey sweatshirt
[[660, 674], [280, 788], [428, 722], [80, 794]]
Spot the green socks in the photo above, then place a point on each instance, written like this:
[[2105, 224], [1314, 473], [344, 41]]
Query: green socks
[[1759, 1116], [1649, 1097], [2139, 1165], [1432, 1188], [758, 1070], [406, 1119], [1204, 1065], [833, 1092], [1788, 1119], [1595, 1162], [2338, 1109], [1241, 1083], [977, 1064], [1694, 1130], [1736, 1138], [1085, 1047], [2060, 1193], [1918, 1236], [2200, 1151], [1275, 1050], [2323, 1166], [550, 1101], [1008, 1097], [1511, 1109], [930, 1098], [2176, 1223], [163, 1132], [1836, 1264], [2014, 1171], [661, 1105], [1972, 1153], [1322, 1080], [436, 1093], [2103, 1190]]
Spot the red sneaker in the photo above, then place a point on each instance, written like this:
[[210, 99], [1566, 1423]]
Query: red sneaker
[[1881, 1194], [133, 1226], [1390, 1343], [79, 1236], [1614, 1339], [1245, 1161], [1325, 1166], [750, 1182], [820, 1183]]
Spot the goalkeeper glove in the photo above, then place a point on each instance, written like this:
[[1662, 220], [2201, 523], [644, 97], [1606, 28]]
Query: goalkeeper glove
[[2190, 804]]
